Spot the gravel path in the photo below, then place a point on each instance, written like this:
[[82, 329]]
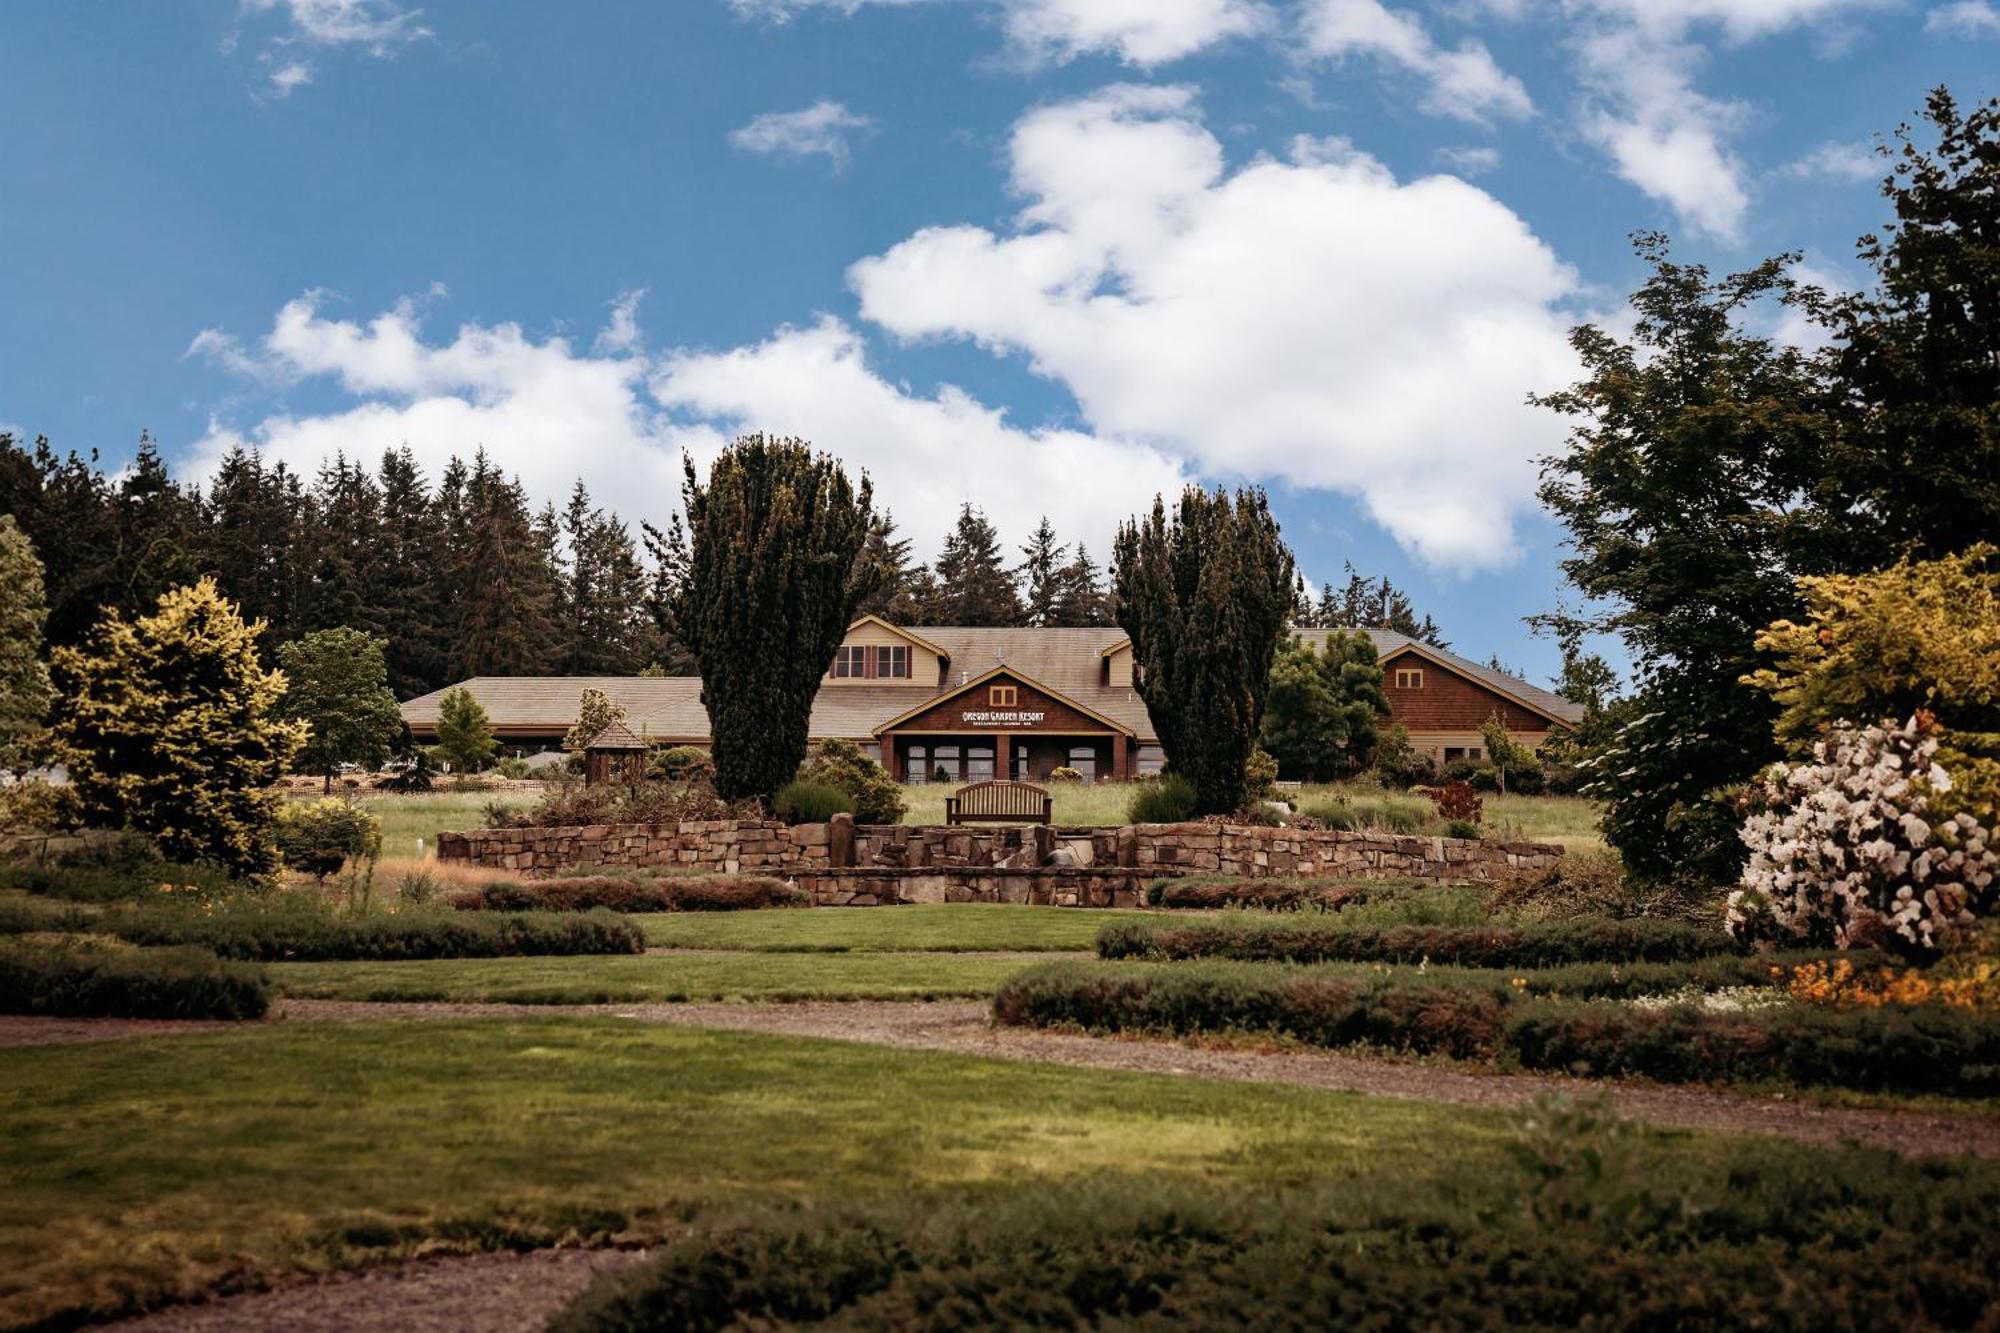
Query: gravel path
[[963, 1028], [494, 1293]]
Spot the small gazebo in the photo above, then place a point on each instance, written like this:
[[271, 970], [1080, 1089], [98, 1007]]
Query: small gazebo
[[614, 755]]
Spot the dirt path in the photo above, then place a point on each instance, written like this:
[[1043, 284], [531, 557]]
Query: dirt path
[[963, 1028], [495, 1293]]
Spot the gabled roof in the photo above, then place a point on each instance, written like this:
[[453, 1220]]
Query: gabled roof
[[948, 695], [1388, 643], [872, 619], [617, 736]]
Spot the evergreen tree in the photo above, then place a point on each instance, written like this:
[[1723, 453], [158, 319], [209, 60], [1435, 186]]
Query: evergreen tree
[[504, 580], [169, 725], [1320, 722], [1204, 598], [337, 684], [1083, 600], [344, 545], [1364, 603], [156, 520], [1043, 573], [973, 584], [668, 553], [408, 602], [771, 589], [256, 529], [465, 735], [24, 681], [885, 567]]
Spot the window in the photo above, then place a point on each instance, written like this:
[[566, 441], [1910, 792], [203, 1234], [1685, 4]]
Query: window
[[1021, 764], [892, 661], [851, 659], [944, 764], [1084, 760], [979, 763], [1003, 696], [1409, 678], [914, 771], [1152, 759]]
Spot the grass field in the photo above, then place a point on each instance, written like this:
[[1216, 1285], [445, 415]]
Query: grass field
[[139, 1171], [655, 978], [935, 927], [410, 824]]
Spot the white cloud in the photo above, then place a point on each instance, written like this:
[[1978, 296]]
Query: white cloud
[[1464, 82], [1851, 162], [1470, 161], [619, 419], [1312, 319], [1965, 18], [290, 77], [821, 129], [377, 25], [1139, 32]]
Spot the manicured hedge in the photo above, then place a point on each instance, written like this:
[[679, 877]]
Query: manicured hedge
[[1913, 1049], [1780, 1247], [694, 893], [1269, 894], [297, 936], [1548, 945], [129, 983]]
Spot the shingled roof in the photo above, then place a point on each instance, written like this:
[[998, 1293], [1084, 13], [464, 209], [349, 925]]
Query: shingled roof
[[617, 736], [668, 710]]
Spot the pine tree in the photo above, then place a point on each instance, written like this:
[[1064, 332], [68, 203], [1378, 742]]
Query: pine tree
[[156, 521], [338, 686], [668, 553], [1374, 604], [169, 725], [1042, 574], [1204, 598], [345, 537], [24, 681], [973, 584], [771, 589], [1084, 601], [64, 507], [406, 597], [885, 565], [504, 580]]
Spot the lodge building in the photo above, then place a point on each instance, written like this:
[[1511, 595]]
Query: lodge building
[[955, 704]]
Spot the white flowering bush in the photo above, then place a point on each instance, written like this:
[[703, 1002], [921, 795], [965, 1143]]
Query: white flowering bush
[[1844, 850]]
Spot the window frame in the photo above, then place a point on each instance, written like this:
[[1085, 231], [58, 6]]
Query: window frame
[[1003, 696], [1409, 678], [850, 662]]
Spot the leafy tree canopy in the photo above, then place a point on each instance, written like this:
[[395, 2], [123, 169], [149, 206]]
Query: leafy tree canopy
[[338, 685], [465, 735], [24, 681], [1320, 722]]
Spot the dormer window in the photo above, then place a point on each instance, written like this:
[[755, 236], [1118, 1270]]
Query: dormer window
[[1409, 678], [1003, 696], [893, 661], [851, 659]]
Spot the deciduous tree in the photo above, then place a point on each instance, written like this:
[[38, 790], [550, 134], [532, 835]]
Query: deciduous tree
[[338, 685], [1204, 596], [772, 585], [465, 735], [24, 681]]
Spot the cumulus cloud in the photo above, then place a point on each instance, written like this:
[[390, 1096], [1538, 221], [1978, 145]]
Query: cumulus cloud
[[1464, 82], [1311, 319], [619, 417], [820, 130], [1139, 32], [1964, 18]]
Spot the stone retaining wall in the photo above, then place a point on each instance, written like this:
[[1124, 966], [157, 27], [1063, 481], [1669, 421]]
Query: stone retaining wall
[[1106, 886], [1149, 850]]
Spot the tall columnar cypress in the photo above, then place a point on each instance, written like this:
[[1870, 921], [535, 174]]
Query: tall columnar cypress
[[771, 587], [1204, 596]]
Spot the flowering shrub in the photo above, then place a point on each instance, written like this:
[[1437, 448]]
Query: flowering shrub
[[1841, 985], [1843, 849]]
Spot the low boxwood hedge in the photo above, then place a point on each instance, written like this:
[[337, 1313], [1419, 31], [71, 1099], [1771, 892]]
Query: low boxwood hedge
[[1583, 1233], [128, 983], [1553, 944], [693, 893], [299, 936], [1907, 1049]]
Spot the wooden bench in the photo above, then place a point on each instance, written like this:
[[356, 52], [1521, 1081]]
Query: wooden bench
[[999, 803]]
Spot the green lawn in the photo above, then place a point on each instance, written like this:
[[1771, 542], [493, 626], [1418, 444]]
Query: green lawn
[[935, 927], [668, 978], [410, 824], [138, 1171]]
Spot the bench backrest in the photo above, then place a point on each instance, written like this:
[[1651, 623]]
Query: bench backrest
[[998, 802]]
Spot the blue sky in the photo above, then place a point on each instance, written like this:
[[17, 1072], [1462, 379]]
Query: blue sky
[[1042, 255]]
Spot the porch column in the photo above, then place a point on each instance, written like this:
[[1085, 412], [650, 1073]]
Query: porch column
[[1119, 758], [1003, 757], [889, 763]]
